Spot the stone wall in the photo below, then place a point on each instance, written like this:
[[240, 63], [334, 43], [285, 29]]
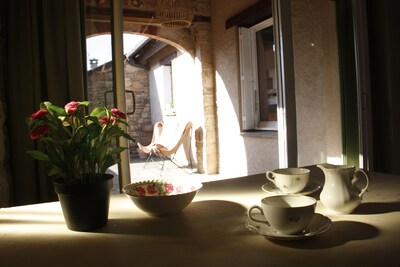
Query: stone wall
[[239, 154], [184, 40], [137, 81], [317, 82], [204, 52]]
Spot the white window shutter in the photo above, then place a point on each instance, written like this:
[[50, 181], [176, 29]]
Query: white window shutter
[[246, 79]]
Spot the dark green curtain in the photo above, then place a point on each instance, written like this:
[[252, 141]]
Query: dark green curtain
[[348, 83], [45, 61], [384, 56]]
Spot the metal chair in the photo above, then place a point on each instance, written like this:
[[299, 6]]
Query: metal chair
[[157, 131], [158, 146]]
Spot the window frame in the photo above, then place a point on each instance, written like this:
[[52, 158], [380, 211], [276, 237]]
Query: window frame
[[249, 87]]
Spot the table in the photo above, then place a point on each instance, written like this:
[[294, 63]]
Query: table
[[210, 232]]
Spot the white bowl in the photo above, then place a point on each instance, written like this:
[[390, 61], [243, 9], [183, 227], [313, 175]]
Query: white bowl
[[162, 197]]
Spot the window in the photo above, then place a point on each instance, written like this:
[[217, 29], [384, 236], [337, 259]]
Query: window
[[166, 84], [258, 77], [168, 91]]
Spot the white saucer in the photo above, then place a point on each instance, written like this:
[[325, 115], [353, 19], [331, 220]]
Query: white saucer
[[318, 225], [310, 188]]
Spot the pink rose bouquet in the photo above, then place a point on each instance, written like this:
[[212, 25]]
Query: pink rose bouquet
[[80, 146]]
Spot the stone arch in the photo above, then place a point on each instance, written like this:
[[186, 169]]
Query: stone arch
[[182, 39], [197, 42]]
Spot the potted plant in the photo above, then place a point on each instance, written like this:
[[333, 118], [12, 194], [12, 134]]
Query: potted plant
[[79, 148]]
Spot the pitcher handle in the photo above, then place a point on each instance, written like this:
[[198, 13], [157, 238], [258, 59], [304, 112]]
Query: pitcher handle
[[356, 178]]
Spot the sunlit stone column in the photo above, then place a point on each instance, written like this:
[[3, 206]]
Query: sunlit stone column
[[203, 46]]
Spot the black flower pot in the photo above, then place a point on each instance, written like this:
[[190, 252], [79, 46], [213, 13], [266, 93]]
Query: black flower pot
[[85, 207]]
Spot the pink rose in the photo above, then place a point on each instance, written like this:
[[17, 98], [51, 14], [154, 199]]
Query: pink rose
[[169, 188], [104, 120], [70, 108], [141, 191], [40, 114], [151, 189], [117, 113], [40, 131]]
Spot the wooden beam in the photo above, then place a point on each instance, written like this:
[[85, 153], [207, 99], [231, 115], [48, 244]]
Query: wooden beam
[[254, 14], [148, 50], [132, 15]]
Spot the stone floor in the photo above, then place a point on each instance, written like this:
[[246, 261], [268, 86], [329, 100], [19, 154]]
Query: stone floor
[[140, 170]]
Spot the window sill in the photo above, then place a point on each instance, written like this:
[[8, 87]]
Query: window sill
[[261, 134]]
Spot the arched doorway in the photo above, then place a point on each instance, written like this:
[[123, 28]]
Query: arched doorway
[[194, 41]]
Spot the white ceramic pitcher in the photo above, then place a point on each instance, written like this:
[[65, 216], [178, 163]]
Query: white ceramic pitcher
[[339, 194]]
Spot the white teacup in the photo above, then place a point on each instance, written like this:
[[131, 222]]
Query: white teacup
[[287, 214], [289, 180]]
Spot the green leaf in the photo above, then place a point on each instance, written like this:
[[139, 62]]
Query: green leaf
[[94, 130], [57, 110], [127, 136], [51, 141], [122, 121], [93, 119], [53, 170], [28, 120], [39, 155], [114, 131], [108, 162], [56, 157], [117, 150], [84, 103], [98, 112], [45, 105]]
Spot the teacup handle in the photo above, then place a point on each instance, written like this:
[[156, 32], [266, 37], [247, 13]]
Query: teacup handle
[[270, 176], [255, 207], [356, 179]]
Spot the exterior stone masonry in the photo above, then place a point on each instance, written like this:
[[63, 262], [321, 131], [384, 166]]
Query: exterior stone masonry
[[195, 40], [204, 52], [137, 81]]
